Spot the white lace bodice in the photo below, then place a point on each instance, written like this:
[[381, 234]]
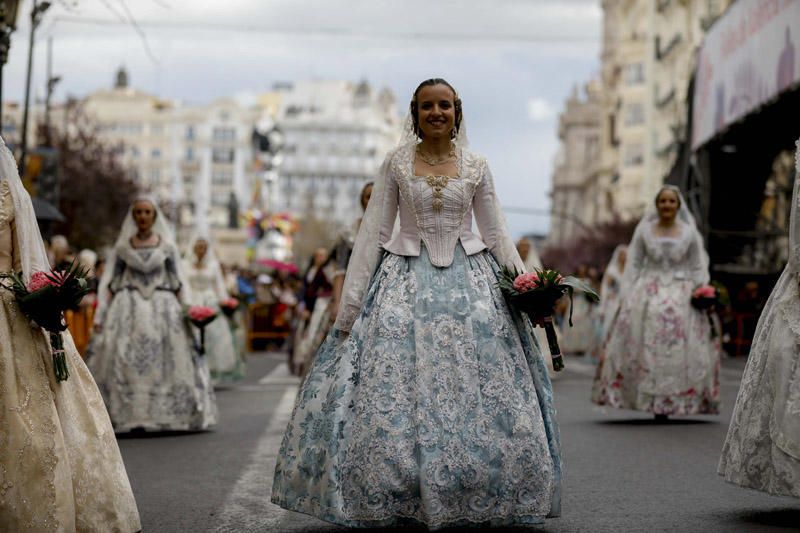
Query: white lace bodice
[[679, 257]]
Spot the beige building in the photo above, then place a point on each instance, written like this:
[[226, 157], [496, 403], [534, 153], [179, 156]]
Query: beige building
[[647, 60], [574, 202]]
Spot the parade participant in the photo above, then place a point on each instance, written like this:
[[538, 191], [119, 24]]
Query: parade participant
[[143, 355], [430, 401], [60, 467], [610, 289], [762, 450], [661, 356], [344, 249], [528, 255], [207, 284], [317, 292]]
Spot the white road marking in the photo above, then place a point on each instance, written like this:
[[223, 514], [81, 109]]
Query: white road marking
[[248, 507], [280, 375]]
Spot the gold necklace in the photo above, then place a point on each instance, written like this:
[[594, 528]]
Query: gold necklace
[[435, 161]]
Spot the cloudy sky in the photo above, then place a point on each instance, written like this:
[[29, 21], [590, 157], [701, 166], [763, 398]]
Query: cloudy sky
[[513, 61]]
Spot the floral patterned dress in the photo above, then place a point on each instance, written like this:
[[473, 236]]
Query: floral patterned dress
[[660, 356], [437, 407], [144, 359]]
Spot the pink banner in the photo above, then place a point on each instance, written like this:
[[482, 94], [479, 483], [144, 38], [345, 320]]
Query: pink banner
[[749, 57]]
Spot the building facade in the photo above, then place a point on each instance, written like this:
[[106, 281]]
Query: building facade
[[336, 135], [646, 65]]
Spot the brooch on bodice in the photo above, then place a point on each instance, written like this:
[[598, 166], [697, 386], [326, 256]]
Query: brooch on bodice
[[438, 184]]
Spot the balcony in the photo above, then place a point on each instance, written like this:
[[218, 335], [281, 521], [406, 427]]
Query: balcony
[[663, 52]]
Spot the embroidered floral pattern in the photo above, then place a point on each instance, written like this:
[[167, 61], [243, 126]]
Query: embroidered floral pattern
[[659, 355], [442, 422]]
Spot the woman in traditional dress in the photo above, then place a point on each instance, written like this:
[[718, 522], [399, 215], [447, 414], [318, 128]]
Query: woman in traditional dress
[[344, 249], [143, 355], [610, 289], [208, 288], [762, 450], [317, 293], [430, 401], [660, 356], [60, 467]]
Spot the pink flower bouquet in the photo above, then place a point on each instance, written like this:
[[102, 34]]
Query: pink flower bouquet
[[705, 297], [536, 293], [229, 306], [201, 316], [43, 300]]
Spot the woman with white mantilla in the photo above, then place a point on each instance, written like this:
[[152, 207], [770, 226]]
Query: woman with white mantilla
[[143, 355], [762, 450], [207, 284], [60, 466], [430, 401], [661, 356]]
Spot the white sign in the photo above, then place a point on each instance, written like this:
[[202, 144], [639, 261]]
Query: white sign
[[749, 57]]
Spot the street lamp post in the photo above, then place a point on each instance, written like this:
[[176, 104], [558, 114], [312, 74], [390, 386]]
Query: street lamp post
[[36, 17], [8, 21]]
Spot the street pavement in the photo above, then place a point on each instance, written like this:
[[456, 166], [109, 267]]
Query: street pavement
[[623, 471]]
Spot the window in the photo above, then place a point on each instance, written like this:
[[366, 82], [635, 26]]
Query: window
[[155, 153], [224, 134], [190, 133], [188, 179], [634, 155], [222, 177], [222, 155], [634, 114], [134, 152], [190, 154], [155, 175], [634, 74], [156, 129]]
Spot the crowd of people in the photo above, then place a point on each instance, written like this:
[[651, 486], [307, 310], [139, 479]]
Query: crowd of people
[[426, 397]]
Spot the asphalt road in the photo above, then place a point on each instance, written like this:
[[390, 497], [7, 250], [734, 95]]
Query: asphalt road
[[623, 472]]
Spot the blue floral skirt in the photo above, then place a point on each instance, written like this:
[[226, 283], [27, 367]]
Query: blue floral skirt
[[436, 409]]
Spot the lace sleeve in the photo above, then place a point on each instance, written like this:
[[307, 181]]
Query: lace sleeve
[[636, 257], [367, 248], [492, 224], [794, 220], [697, 261]]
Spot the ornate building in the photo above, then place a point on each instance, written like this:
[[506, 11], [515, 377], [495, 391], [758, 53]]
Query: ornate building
[[336, 135]]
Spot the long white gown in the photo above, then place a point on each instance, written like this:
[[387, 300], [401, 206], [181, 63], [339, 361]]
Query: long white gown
[[144, 359], [60, 467], [208, 288], [660, 356], [762, 449]]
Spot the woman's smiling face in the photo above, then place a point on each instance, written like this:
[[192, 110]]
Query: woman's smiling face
[[436, 111]]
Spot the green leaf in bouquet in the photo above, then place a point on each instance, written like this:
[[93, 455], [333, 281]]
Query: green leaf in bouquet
[[579, 285]]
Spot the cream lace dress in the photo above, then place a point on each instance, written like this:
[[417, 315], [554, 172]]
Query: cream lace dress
[[60, 467]]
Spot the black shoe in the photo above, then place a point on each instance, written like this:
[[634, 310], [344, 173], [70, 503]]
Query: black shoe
[[662, 418]]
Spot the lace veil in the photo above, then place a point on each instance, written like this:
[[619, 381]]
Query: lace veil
[[643, 232], [127, 231], [31, 247], [210, 262]]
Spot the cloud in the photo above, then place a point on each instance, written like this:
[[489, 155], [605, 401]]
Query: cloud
[[540, 110]]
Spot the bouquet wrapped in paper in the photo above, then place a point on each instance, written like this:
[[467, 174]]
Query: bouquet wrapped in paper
[[43, 300], [536, 294], [201, 316], [706, 298], [229, 306]]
